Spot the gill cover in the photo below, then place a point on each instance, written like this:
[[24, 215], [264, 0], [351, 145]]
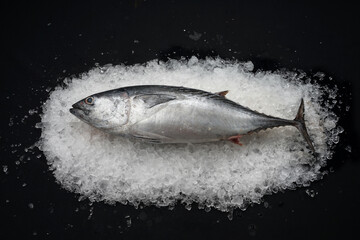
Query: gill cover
[[108, 110], [120, 109]]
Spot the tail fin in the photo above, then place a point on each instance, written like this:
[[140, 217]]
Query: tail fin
[[300, 125]]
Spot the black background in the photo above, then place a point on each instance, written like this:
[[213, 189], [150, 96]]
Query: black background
[[48, 41]]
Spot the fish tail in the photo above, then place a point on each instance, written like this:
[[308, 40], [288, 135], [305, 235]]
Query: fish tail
[[299, 123]]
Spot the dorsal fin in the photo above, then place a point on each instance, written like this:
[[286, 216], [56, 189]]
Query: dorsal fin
[[222, 93]]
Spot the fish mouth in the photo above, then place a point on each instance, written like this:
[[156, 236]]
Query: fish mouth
[[74, 111], [76, 106], [77, 110]]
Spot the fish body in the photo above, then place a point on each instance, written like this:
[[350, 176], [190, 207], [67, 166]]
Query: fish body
[[168, 114]]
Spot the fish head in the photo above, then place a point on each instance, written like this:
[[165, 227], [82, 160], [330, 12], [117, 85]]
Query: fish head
[[106, 111]]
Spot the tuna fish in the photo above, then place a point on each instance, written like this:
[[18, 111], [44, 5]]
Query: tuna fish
[[168, 114]]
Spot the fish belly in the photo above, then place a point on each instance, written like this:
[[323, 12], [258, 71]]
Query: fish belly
[[189, 121]]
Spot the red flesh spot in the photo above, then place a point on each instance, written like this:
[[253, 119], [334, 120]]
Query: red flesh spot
[[235, 139]]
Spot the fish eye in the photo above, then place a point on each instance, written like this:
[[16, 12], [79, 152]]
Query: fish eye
[[89, 100]]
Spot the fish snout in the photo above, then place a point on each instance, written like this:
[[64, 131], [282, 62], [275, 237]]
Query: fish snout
[[77, 105], [78, 109]]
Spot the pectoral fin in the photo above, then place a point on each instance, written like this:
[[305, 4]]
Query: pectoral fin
[[147, 139], [152, 100]]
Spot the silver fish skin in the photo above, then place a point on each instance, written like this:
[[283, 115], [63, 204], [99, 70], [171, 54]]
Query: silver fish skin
[[169, 114]]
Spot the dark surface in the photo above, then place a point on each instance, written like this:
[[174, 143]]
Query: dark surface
[[48, 41]]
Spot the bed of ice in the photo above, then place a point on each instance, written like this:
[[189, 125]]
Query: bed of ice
[[221, 175]]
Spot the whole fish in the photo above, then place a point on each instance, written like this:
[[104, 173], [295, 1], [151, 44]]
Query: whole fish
[[168, 114]]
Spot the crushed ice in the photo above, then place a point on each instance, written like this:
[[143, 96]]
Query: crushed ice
[[220, 175]]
